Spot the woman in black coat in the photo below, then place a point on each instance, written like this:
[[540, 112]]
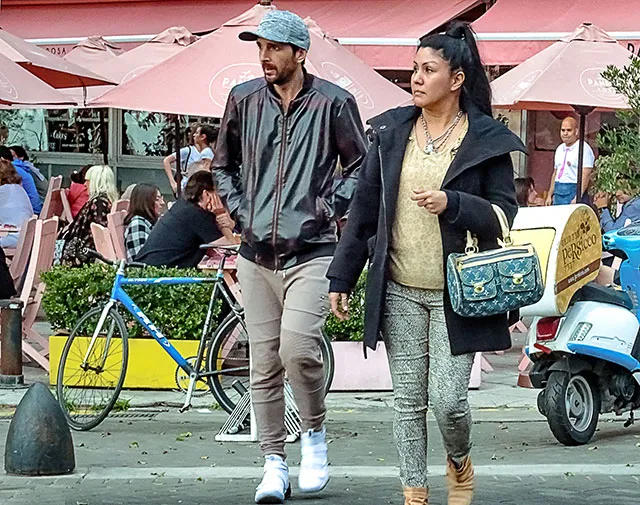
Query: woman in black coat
[[433, 172]]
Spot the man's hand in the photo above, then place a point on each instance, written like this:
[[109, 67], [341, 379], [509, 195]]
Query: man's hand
[[573, 201], [433, 201], [174, 186], [601, 200], [549, 200], [340, 305]]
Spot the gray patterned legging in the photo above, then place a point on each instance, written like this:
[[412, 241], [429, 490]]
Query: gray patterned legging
[[423, 369]]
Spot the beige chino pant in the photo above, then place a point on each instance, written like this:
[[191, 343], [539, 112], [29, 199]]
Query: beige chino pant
[[285, 312]]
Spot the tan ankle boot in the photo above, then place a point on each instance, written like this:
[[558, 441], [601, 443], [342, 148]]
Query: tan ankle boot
[[460, 482], [415, 496]]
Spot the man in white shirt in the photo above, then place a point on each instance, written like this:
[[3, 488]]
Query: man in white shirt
[[192, 158], [564, 181]]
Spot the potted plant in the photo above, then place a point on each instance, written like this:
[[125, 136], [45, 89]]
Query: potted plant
[[352, 371], [179, 311]]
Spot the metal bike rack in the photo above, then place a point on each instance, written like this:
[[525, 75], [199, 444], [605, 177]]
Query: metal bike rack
[[232, 430]]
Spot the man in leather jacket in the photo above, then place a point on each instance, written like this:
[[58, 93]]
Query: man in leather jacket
[[279, 143]]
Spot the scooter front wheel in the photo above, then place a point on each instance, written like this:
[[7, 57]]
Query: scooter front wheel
[[572, 407]]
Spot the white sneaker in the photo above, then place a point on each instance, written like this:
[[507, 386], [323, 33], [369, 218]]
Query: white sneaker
[[314, 464], [275, 487]]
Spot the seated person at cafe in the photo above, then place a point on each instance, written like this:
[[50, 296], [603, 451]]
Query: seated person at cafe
[[101, 184], [42, 183], [630, 212], [15, 206], [27, 179], [78, 194], [146, 205], [176, 238]]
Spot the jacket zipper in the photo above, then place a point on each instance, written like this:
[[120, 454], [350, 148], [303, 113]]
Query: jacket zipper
[[279, 177]]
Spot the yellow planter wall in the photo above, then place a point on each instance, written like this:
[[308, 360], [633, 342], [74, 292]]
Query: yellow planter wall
[[150, 367]]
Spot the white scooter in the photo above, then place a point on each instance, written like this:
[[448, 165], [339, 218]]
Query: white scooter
[[587, 361]]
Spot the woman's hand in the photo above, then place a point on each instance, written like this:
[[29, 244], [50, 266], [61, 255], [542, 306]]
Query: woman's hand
[[340, 305], [433, 201], [224, 221]]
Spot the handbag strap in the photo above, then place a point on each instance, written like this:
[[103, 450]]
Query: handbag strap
[[504, 225], [472, 241]]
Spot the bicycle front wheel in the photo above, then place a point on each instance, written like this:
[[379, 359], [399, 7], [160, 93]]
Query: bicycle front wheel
[[91, 375], [228, 359]]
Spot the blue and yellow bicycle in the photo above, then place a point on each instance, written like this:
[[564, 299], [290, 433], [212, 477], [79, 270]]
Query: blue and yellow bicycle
[[92, 370]]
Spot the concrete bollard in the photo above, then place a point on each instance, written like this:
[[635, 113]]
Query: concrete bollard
[[39, 441], [11, 343]]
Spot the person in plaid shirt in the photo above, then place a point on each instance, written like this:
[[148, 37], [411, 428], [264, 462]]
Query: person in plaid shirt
[[144, 209]]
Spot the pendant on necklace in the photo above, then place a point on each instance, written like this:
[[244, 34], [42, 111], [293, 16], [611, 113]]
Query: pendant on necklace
[[429, 148]]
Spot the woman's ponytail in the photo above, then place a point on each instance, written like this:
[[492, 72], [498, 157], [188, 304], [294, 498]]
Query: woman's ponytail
[[458, 46]]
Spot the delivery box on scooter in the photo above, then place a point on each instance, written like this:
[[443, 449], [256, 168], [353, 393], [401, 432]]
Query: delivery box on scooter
[[568, 242]]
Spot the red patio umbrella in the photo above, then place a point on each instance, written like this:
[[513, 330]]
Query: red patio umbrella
[[566, 76], [52, 69], [140, 59], [93, 52], [197, 81], [20, 88]]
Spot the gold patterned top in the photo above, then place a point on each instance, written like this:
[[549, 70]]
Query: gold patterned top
[[415, 253]]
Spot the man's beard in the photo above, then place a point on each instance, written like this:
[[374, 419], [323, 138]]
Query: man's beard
[[281, 77]]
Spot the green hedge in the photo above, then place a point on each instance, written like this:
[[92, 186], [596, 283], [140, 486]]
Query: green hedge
[[178, 311], [352, 329]]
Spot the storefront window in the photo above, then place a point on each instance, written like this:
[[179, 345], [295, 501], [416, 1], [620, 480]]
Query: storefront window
[[24, 127], [146, 133], [75, 130], [60, 130], [152, 133]]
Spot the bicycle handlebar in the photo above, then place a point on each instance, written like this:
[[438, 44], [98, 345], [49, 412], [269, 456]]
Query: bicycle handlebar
[[97, 255]]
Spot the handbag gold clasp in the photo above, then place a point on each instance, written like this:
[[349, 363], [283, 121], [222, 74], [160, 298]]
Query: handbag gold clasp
[[478, 287], [518, 279]]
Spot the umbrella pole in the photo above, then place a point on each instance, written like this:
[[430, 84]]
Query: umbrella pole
[[583, 111], [103, 137], [583, 119], [176, 125]]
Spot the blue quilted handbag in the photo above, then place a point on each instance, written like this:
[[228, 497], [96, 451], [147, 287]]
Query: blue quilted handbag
[[497, 281]]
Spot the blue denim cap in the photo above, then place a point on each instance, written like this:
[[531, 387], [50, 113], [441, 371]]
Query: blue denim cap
[[281, 26]]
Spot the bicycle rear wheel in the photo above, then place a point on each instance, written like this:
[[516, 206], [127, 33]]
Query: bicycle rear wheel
[[228, 359], [88, 390]]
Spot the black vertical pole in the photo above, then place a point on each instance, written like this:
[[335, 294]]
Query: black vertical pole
[[11, 343], [583, 120], [103, 137], [176, 124], [582, 110]]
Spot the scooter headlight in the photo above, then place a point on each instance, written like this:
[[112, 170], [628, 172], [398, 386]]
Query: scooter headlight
[[581, 331]]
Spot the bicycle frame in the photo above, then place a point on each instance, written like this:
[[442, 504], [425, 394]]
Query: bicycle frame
[[118, 295]]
